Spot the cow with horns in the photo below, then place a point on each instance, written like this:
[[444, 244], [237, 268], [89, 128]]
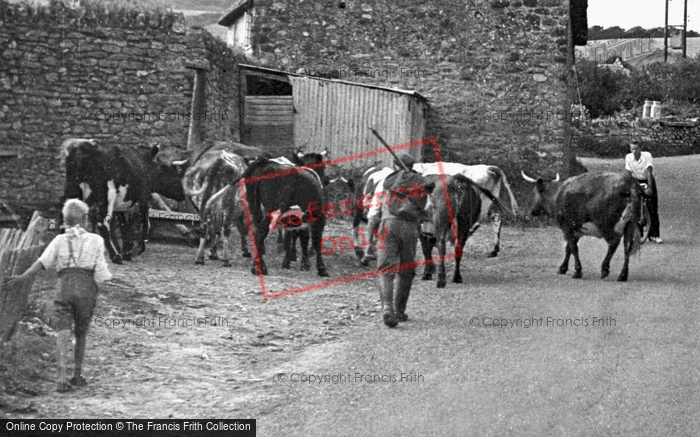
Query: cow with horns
[[312, 160], [116, 182], [487, 176], [209, 185], [602, 205]]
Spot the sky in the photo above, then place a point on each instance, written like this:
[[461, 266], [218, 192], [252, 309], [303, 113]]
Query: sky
[[644, 13]]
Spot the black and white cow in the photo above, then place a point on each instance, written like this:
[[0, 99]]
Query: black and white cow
[[116, 182]]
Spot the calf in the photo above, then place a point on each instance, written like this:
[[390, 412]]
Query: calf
[[602, 205], [117, 180]]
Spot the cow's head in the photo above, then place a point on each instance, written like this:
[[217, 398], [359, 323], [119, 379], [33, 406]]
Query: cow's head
[[544, 194], [344, 182], [74, 143], [166, 176], [314, 161]]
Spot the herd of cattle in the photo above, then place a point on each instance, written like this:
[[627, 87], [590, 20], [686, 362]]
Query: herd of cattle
[[287, 193]]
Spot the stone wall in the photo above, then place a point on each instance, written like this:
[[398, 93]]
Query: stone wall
[[611, 138], [491, 70], [119, 77]]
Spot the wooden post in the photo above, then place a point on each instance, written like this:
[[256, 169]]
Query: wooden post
[[198, 108]]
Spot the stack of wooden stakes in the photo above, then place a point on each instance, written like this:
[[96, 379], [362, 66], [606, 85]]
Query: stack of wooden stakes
[[18, 251]]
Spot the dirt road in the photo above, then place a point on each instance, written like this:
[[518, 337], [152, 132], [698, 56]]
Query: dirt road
[[575, 357]]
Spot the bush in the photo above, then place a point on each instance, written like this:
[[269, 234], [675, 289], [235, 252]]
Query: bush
[[599, 88], [685, 81], [646, 84], [605, 92]]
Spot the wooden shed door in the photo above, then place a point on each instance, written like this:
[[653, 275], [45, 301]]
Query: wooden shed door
[[268, 115]]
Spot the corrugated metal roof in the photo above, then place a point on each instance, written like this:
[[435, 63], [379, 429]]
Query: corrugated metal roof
[[364, 85]]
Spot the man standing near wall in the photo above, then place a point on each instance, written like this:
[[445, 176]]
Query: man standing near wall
[[396, 215], [639, 165]]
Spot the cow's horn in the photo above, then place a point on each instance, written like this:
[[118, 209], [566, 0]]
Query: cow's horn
[[528, 178], [557, 178], [180, 162]]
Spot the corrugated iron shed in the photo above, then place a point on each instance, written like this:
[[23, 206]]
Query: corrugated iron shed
[[336, 115]]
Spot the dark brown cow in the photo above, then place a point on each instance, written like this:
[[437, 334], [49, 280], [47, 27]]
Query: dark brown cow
[[287, 238], [602, 205], [312, 160], [274, 185]]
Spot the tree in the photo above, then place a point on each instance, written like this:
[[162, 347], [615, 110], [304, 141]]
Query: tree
[[636, 32], [594, 32], [614, 32]]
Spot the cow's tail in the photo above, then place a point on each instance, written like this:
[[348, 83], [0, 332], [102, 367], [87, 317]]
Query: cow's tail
[[513, 202], [487, 193], [636, 243], [636, 203], [625, 218]]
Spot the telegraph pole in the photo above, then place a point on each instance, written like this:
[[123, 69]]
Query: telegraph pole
[[666, 35], [685, 26]]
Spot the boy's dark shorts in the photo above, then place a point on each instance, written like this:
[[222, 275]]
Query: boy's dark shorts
[[75, 300]]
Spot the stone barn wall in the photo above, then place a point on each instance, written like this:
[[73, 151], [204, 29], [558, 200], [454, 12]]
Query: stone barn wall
[[493, 71], [120, 78]]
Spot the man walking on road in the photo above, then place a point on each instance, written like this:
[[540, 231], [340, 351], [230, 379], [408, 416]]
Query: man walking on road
[[396, 216]]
